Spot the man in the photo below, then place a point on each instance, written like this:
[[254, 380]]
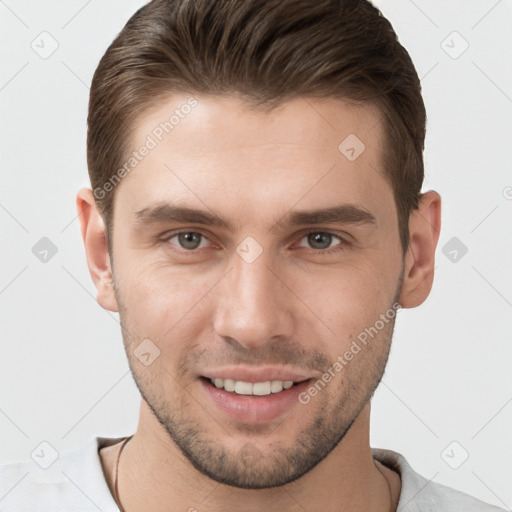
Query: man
[[256, 218]]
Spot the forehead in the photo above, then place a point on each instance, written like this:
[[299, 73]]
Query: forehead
[[218, 149], [220, 122]]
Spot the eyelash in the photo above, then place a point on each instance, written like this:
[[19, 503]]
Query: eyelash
[[339, 247]]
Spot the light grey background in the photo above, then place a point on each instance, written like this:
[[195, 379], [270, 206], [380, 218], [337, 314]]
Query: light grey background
[[63, 372]]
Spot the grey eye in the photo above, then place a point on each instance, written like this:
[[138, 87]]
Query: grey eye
[[188, 239], [320, 240]]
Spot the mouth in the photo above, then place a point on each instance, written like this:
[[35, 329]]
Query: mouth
[[253, 402], [240, 387]]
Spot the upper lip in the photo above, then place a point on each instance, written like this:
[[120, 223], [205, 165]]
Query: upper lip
[[261, 374]]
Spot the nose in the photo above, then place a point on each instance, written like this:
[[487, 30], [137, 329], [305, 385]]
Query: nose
[[254, 304]]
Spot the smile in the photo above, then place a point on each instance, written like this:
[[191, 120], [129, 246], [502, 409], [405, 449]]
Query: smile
[[252, 388]]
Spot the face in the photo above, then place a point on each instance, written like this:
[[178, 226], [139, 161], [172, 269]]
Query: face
[[256, 285]]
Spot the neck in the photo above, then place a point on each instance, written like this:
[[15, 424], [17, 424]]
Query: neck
[[153, 473]]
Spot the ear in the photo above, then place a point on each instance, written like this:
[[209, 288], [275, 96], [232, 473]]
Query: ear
[[424, 228], [96, 249]]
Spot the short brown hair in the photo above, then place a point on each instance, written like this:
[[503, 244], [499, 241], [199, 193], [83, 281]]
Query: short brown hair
[[268, 51]]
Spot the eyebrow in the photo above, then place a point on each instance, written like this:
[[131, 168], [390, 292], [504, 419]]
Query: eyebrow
[[340, 214]]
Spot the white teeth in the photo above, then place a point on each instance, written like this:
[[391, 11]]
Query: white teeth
[[243, 388], [262, 388], [229, 384], [249, 388], [276, 386]]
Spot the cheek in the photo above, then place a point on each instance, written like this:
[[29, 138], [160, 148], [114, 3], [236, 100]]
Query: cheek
[[351, 297], [351, 305], [161, 296]]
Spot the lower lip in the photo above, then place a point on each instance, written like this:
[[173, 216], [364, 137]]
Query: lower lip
[[254, 409]]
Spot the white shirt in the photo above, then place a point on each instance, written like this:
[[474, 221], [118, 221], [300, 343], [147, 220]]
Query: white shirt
[[75, 482]]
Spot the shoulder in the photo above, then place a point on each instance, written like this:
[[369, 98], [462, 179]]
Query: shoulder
[[73, 481], [418, 494]]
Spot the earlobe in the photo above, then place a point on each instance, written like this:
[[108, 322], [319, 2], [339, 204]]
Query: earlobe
[[94, 236], [424, 228]]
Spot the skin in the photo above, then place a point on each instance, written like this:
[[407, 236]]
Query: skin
[[293, 306]]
